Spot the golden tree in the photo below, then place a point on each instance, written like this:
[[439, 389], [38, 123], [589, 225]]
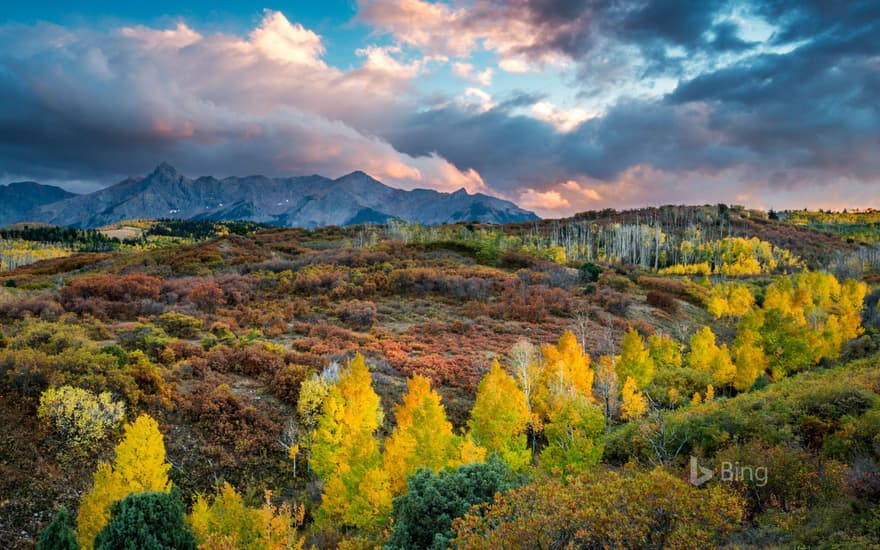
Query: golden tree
[[423, 438], [345, 453], [499, 418], [139, 466]]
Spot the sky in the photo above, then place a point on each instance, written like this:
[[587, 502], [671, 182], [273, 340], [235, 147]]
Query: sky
[[559, 105]]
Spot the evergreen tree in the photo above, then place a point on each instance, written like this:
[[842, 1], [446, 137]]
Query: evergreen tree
[[423, 515], [58, 535], [146, 521]]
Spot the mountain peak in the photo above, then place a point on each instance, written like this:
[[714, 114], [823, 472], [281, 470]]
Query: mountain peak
[[356, 174], [461, 193], [165, 169]]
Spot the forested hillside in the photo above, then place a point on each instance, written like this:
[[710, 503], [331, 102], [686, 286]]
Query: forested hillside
[[544, 384]]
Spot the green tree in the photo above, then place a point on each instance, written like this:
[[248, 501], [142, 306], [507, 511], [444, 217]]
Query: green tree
[[58, 535], [635, 360], [146, 521], [572, 436], [423, 516]]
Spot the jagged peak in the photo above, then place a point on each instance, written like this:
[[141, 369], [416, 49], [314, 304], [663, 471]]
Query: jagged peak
[[165, 169]]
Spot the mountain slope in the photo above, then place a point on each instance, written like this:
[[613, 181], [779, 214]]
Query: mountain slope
[[18, 199], [307, 201]]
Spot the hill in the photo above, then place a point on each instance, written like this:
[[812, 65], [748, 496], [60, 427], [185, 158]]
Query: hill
[[240, 340]]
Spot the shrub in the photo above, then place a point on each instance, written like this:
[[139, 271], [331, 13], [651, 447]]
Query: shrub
[[112, 296], [358, 314], [662, 301], [180, 325], [147, 521], [589, 272], [78, 415], [643, 510]]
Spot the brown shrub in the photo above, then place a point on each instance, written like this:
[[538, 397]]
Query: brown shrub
[[663, 301], [358, 314], [112, 296]]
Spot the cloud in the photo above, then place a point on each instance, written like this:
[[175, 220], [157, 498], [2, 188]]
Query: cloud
[[525, 34], [543, 201], [648, 101], [467, 72], [94, 104], [564, 120]]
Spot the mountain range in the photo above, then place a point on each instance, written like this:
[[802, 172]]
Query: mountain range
[[306, 201]]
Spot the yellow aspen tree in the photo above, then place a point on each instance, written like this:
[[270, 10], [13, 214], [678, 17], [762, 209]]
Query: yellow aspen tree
[[423, 438], [635, 404], [345, 453], [566, 370], [526, 367], [696, 399], [710, 393], [499, 418], [723, 370], [635, 360], [703, 350], [749, 358], [664, 351], [139, 466]]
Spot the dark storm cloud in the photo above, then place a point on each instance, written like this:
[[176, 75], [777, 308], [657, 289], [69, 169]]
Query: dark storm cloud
[[813, 108]]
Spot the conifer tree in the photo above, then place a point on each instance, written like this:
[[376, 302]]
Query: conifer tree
[[58, 535]]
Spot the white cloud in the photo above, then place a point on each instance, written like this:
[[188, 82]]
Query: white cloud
[[563, 120]]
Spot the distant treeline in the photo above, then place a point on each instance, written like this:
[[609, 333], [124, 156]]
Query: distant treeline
[[201, 229], [83, 240]]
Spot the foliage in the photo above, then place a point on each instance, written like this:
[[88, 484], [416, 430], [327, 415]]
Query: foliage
[[635, 360], [139, 466], [180, 325], [423, 437], [80, 417], [345, 453], [651, 509], [499, 418], [58, 535], [227, 522], [147, 521], [634, 403], [572, 433], [423, 515]]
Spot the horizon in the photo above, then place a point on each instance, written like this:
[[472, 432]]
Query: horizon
[[558, 107]]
